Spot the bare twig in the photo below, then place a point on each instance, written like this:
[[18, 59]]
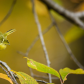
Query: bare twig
[[24, 54], [41, 37], [42, 81], [9, 12], [31, 72], [66, 45], [70, 16], [79, 14], [35, 40], [44, 77], [8, 71], [30, 47]]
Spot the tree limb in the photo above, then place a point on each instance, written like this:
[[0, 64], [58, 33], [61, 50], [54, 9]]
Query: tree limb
[[70, 16], [66, 45]]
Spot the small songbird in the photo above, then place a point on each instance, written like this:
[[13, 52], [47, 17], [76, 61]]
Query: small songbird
[[3, 39]]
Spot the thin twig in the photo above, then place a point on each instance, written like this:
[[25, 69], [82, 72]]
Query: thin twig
[[41, 37], [42, 81], [44, 77], [8, 71], [30, 47], [9, 12], [31, 72], [35, 40], [70, 16], [66, 45]]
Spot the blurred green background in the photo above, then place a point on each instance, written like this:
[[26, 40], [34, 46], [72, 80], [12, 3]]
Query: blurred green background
[[22, 20]]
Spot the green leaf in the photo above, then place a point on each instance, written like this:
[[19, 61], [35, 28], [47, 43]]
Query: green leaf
[[64, 72], [41, 67], [25, 78], [73, 34]]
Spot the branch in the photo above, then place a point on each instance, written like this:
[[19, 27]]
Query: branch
[[9, 12], [31, 72], [44, 77], [79, 14], [70, 16], [41, 38], [30, 47], [42, 81], [66, 45], [8, 71]]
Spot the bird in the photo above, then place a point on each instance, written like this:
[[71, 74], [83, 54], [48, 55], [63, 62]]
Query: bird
[[3, 38]]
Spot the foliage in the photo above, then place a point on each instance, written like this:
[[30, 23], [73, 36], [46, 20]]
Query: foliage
[[62, 72], [26, 79], [73, 34], [41, 68]]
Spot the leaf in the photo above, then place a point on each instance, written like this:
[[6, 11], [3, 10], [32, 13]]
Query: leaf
[[41, 67], [3, 76], [66, 71], [25, 78], [73, 34]]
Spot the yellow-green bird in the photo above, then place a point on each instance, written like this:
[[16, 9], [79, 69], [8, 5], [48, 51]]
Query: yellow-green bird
[[3, 39]]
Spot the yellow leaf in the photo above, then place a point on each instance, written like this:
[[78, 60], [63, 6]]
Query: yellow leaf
[[66, 71], [3, 76], [25, 78]]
